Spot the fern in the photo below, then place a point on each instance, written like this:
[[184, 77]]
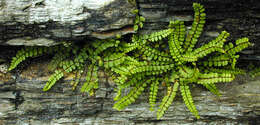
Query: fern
[[167, 100], [23, 54], [254, 73], [187, 98], [167, 59], [91, 79], [53, 79], [212, 88], [180, 62], [131, 97], [153, 94], [197, 27]]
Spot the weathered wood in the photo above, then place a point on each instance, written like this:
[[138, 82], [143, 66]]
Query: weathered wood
[[23, 102], [45, 22]]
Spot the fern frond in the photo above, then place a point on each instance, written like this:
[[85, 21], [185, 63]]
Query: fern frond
[[254, 73], [112, 60], [157, 36], [53, 79], [212, 46], [123, 70], [103, 45], [212, 88], [152, 67], [221, 60], [91, 79], [153, 93], [68, 65], [58, 58], [128, 47], [197, 27], [154, 54], [167, 99], [131, 96], [133, 80], [119, 80], [188, 74], [187, 98], [241, 44], [215, 78], [118, 94], [76, 79], [175, 41], [25, 53]]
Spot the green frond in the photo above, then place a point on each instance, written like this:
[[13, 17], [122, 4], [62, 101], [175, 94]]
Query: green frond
[[112, 60], [76, 79], [123, 70], [254, 73], [53, 79], [221, 60], [118, 94], [212, 88], [154, 54], [179, 34], [68, 65], [103, 45], [187, 98], [133, 80], [215, 78], [91, 79], [188, 57], [58, 58], [212, 46], [153, 93], [128, 47], [197, 27], [188, 74], [157, 36], [167, 99], [175, 41], [152, 67], [131, 96], [119, 80], [241, 44], [138, 22], [25, 53]]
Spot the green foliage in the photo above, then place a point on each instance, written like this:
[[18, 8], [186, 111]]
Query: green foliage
[[167, 99], [180, 64], [23, 54], [153, 93], [166, 59], [254, 73], [139, 20]]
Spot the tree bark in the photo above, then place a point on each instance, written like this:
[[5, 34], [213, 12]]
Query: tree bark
[[22, 100], [46, 22]]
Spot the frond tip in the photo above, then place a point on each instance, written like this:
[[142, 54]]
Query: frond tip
[[53, 79], [187, 98], [167, 100]]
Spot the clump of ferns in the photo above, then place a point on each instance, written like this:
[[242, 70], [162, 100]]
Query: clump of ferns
[[178, 65], [166, 58], [71, 58]]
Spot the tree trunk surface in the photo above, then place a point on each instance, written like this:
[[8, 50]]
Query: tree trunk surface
[[47, 22], [23, 102]]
